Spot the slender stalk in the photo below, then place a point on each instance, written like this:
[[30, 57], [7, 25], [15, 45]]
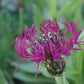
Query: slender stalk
[[60, 79], [20, 16]]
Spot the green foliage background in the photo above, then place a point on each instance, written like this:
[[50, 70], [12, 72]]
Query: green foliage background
[[13, 19]]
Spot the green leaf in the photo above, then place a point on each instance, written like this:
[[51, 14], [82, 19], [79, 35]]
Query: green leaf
[[66, 82], [61, 3], [77, 17], [83, 71], [37, 18], [39, 3], [70, 75], [80, 66], [80, 61], [2, 79], [52, 7], [28, 77], [67, 11], [26, 67], [71, 81], [81, 38]]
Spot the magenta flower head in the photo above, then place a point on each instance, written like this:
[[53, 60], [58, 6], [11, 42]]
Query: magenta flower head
[[49, 48]]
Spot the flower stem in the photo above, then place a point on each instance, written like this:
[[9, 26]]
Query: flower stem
[[60, 79]]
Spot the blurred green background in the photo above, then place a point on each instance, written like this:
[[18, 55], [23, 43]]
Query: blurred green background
[[14, 16]]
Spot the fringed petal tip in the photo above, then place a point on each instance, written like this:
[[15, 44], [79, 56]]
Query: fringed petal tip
[[12, 42], [16, 61], [18, 66], [68, 58], [36, 70]]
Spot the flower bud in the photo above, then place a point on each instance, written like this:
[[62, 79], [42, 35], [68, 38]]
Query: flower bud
[[54, 67]]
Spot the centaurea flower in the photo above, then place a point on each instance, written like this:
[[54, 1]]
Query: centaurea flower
[[49, 47]]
